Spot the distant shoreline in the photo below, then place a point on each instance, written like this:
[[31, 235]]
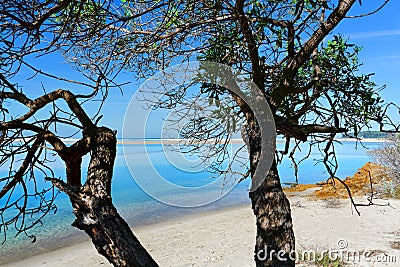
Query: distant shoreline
[[232, 141], [161, 141], [168, 141]]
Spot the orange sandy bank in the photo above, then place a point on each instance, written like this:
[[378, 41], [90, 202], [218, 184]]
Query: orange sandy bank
[[359, 184]]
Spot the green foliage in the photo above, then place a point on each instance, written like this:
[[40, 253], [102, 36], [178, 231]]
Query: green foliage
[[320, 259], [85, 11], [325, 261], [352, 96], [328, 89]]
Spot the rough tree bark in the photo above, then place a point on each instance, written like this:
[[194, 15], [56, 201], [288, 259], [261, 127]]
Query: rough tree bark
[[95, 212], [275, 241]]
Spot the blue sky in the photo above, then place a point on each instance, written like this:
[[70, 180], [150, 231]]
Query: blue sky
[[378, 34]]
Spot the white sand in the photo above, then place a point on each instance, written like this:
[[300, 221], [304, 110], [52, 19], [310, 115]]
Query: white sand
[[226, 238]]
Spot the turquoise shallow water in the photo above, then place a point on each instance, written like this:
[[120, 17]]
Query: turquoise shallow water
[[350, 157], [138, 208]]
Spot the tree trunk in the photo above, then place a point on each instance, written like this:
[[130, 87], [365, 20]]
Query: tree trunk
[[110, 234], [95, 212], [275, 242]]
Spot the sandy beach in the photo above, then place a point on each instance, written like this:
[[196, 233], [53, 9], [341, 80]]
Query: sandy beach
[[226, 237]]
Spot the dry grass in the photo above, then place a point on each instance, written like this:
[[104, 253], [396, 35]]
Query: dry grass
[[395, 245], [332, 202]]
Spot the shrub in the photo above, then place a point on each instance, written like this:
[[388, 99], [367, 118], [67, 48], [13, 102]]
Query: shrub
[[388, 155]]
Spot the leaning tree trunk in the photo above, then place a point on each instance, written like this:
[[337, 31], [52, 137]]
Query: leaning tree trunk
[[275, 242], [95, 212]]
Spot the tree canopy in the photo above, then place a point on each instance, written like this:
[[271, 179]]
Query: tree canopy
[[314, 89]]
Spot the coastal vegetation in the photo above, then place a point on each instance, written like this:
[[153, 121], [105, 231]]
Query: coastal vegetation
[[388, 157], [314, 89], [370, 134]]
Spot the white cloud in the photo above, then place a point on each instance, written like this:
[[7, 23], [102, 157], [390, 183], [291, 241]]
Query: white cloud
[[373, 34], [390, 57]]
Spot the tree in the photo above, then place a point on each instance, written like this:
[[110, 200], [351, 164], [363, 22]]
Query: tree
[[32, 129], [314, 92], [314, 89]]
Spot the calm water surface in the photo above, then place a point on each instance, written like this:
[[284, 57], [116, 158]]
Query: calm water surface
[[138, 208]]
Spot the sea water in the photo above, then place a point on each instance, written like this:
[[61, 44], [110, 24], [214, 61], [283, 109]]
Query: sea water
[[140, 208]]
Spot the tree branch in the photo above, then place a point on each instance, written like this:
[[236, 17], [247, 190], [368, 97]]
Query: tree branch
[[305, 52], [251, 44], [24, 166], [42, 101]]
